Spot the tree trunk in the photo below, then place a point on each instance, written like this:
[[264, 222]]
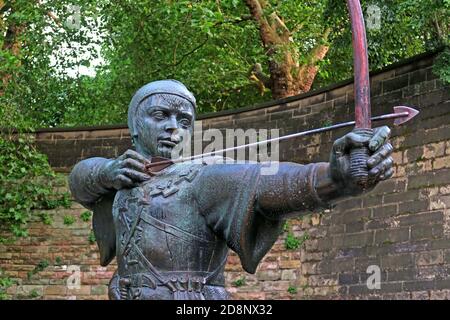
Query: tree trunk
[[287, 76]]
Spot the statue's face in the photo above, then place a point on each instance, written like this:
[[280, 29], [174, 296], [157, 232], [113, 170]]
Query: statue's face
[[162, 122]]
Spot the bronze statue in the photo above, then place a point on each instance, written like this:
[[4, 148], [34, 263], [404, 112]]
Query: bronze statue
[[171, 229]]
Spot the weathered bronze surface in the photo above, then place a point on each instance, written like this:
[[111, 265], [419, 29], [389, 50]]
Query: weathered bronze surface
[[171, 230]]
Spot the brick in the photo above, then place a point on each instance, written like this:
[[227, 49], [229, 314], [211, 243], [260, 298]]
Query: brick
[[402, 275], [269, 275], [401, 196], [391, 235], [417, 76], [427, 217], [55, 290], [439, 244], [447, 256], [341, 265], [434, 150], [419, 285], [385, 211], [435, 271], [358, 289], [276, 116], [354, 227], [413, 206], [371, 201], [289, 264], [435, 178], [275, 286], [396, 261], [426, 232], [313, 100], [430, 258], [397, 296], [321, 280], [358, 239], [349, 278], [421, 295], [377, 224], [302, 111], [432, 98], [440, 295], [442, 284], [99, 289], [395, 83], [442, 162], [352, 216], [414, 154], [288, 275]]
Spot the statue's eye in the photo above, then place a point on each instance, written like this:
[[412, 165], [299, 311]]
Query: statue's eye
[[185, 122], [159, 115]]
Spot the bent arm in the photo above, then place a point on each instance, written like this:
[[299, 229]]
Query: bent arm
[[294, 189], [85, 181]]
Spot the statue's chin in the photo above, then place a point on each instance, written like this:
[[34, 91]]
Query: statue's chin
[[165, 152]]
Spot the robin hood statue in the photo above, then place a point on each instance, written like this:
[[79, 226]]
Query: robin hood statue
[[171, 229]]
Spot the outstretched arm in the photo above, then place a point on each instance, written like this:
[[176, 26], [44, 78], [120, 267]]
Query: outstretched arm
[[297, 188]]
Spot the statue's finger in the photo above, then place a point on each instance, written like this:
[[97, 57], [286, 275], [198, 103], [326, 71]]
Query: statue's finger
[[389, 173], [136, 156], [381, 168], [123, 181], [133, 164], [380, 155], [339, 145], [380, 136], [135, 175], [354, 140]]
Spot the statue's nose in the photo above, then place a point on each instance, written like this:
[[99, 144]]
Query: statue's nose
[[172, 123]]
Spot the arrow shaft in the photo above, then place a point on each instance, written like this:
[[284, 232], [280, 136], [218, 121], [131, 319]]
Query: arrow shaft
[[286, 137], [301, 134]]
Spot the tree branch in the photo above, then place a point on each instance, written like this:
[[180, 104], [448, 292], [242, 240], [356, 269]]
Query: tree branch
[[184, 56]]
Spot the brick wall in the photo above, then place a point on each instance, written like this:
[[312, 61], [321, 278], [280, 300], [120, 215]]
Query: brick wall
[[402, 226]]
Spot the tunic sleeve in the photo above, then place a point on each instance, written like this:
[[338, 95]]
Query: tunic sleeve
[[234, 199]]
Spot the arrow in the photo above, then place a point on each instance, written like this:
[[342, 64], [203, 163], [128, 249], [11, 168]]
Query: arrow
[[401, 115]]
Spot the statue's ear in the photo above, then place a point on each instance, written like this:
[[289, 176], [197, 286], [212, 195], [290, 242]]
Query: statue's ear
[[104, 229]]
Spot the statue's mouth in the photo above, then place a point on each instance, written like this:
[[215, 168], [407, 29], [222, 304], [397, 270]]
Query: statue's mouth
[[168, 143]]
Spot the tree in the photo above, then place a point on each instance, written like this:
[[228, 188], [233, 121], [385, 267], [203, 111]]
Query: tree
[[292, 71], [230, 53], [40, 41]]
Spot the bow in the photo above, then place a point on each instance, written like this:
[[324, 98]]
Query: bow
[[363, 125]]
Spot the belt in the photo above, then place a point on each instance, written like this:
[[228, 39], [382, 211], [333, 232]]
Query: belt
[[183, 285]]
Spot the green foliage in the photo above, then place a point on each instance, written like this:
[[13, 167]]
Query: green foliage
[[86, 216], [292, 242], [34, 294], [91, 237], [58, 261], [239, 282], [442, 66], [68, 220], [5, 283], [292, 290], [46, 218], [27, 183], [286, 226], [209, 45], [41, 266]]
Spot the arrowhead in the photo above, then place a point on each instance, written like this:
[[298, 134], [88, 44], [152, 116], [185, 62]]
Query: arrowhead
[[409, 114]]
